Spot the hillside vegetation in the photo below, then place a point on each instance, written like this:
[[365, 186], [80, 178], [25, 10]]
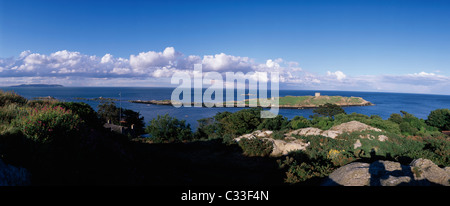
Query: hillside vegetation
[[65, 143]]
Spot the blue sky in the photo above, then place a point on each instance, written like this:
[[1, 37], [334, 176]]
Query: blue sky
[[399, 46]]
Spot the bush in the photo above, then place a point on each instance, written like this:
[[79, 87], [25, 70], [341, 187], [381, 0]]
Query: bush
[[277, 123], [301, 167], [278, 134], [48, 124], [256, 147], [241, 122], [299, 122], [206, 129], [83, 110], [169, 129], [8, 113], [323, 123], [411, 125], [109, 111], [397, 118], [439, 118], [7, 98], [329, 110]]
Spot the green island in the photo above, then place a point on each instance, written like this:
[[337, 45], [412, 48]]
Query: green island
[[96, 99], [288, 102], [47, 142]]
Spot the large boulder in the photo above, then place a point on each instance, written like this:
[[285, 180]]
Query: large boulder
[[421, 172], [280, 147], [425, 169], [313, 131], [353, 126], [335, 131], [353, 174], [255, 134]]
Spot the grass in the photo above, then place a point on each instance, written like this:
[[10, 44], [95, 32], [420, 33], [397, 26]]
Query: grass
[[315, 101]]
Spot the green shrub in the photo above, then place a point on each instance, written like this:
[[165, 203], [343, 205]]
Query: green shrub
[[439, 118], [7, 98], [323, 123], [169, 129], [277, 123], [301, 167], [241, 122], [83, 110], [108, 111], [48, 124], [256, 147], [397, 118], [329, 110], [299, 122], [9, 112], [206, 129], [278, 134]]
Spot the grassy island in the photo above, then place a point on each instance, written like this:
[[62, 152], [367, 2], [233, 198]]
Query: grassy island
[[294, 102]]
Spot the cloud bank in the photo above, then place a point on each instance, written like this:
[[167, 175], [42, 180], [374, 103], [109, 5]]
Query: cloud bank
[[153, 68]]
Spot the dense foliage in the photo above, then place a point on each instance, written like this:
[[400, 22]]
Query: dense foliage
[[60, 142], [7, 98], [329, 110], [256, 147], [48, 123], [65, 143], [169, 129], [120, 116], [439, 118]]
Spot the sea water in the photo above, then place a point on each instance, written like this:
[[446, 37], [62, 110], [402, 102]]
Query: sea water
[[419, 105]]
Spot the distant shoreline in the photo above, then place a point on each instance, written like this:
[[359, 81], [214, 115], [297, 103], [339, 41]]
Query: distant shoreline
[[38, 85]]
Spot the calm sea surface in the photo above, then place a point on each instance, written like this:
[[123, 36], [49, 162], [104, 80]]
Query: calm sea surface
[[385, 103]]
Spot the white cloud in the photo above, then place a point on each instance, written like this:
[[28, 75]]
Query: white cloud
[[108, 58], [154, 68], [224, 62], [337, 74]]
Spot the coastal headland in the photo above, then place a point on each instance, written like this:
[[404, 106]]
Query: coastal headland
[[288, 102]]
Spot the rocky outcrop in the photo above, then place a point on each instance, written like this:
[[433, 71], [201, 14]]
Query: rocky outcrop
[[309, 131], [335, 131], [425, 169], [421, 172], [13, 176], [255, 134], [353, 126], [291, 143], [280, 147]]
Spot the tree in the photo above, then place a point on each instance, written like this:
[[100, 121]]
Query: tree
[[397, 118], [241, 122], [299, 122], [169, 129], [134, 118], [329, 110], [277, 123], [109, 111], [439, 118], [83, 110]]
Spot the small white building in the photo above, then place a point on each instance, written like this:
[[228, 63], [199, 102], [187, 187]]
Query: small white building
[[317, 94]]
